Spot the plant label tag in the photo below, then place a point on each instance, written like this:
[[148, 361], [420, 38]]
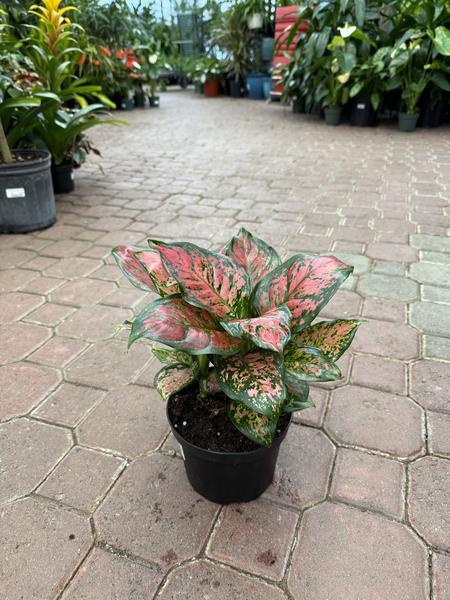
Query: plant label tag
[[72, 176], [182, 452], [15, 193], [361, 106]]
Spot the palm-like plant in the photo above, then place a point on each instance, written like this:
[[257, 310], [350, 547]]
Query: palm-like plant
[[232, 36]]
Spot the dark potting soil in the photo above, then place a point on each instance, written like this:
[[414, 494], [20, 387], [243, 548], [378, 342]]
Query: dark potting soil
[[24, 158], [206, 424]]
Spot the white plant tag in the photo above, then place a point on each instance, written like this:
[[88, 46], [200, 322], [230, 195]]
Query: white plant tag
[[361, 106], [15, 193], [182, 451], [72, 176]]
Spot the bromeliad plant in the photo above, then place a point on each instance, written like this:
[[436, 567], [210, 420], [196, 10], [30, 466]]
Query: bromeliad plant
[[248, 315]]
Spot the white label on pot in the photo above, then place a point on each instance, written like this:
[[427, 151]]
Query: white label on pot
[[361, 106], [182, 451], [15, 193], [71, 176]]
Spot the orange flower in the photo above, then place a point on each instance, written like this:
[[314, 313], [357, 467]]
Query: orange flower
[[105, 51], [82, 59]]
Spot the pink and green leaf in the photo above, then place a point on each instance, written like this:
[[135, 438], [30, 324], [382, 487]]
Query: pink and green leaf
[[172, 357], [173, 378], [182, 326], [332, 337], [270, 331], [304, 283], [144, 269], [255, 379], [308, 364], [257, 257], [258, 428], [206, 279]]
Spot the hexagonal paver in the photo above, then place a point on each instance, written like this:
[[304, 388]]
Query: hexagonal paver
[[130, 420], [68, 404], [441, 576], [23, 386], [433, 274], [436, 347], [66, 248], [429, 500], [369, 481], [392, 340], [430, 384], [108, 364], [43, 545], [433, 293], [431, 242], [400, 252], [16, 305], [71, 268], [29, 451], [379, 373], [14, 257], [375, 420], [384, 310], [82, 478], [203, 580], [303, 467], [17, 340], [50, 314], [82, 292], [153, 513], [439, 433], [431, 318], [345, 553], [343, 305], [255, 536], [106, 575], [313, 416], [94, 323], [14, 279], [389, 287]]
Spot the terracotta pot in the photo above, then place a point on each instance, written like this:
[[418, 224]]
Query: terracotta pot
[[211, 88]]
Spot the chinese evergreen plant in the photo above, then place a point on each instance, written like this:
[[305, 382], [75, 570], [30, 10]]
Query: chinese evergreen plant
[[240, 319]]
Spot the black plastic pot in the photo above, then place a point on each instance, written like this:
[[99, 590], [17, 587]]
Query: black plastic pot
[[153, 101], [139, 100], [226, 477], [62, 176], [333, 115], [236, 89], [363, 114], [27, 202], [431, 112], [407, 122]]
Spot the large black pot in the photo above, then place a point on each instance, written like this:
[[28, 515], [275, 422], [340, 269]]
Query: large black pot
[[27, 202], [236, 89], [432, 111], [153, 101], [62, 176], [226, 477], [363, 114]]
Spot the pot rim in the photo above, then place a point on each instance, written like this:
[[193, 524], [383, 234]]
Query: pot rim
[[250, 454], [40, 156]]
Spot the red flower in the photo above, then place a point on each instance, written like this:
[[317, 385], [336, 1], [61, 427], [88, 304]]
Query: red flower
[[105, 51]]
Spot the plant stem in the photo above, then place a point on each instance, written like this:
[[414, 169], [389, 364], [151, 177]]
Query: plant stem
[[203, 368], [4, 146]]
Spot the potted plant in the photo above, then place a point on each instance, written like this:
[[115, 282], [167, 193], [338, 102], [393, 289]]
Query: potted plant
[[232, 36], [153, 64], [253, 12], [62, 132], [241, 350], [208, 72]]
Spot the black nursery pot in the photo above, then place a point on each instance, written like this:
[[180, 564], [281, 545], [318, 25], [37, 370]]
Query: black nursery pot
[[362, 114], [62, 176], [226, 477], [236, 90], [153, 101]]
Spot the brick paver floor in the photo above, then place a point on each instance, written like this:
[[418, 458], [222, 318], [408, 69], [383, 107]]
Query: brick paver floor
[[94, 500]]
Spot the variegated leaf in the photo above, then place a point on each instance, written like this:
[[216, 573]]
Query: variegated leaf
[[304, 283], [172, 357], [332, 337], [270, 331], [297, 397], [258, 428], [174, 323], [257, 257], [173, 378], [207, 279], [144, 269], [308, 364], [255, 379]]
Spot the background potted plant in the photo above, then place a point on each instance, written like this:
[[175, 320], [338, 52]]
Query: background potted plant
[[231, 35], [208, 71], [242, 350], [253, 12]]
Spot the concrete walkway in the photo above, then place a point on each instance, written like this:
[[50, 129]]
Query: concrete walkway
[[94, 503]]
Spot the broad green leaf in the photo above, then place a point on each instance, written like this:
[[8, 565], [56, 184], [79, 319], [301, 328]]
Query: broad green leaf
[[304, 283], [254, 379], [308, 364], [172, 357], [207, 279], [174, 323], [253, 254], [442, 40], [258, 428], [297, 396], [173, 378], [360, 12], [144, 269], [293, 404], [270, 331], [331, 337]]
